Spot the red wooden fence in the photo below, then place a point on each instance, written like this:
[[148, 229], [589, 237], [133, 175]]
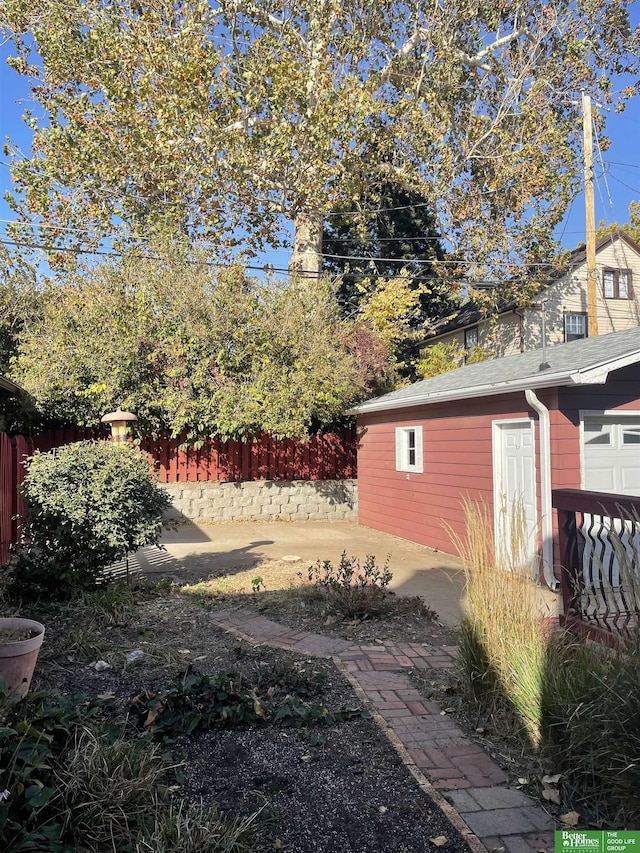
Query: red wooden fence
[[12, 471], [325, 456]]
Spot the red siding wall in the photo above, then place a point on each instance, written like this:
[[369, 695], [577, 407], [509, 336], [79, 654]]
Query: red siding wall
[[457, 462], [458, 455]]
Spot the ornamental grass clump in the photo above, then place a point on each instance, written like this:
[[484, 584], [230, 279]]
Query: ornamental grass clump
[[89, 504], [591, 726], [502, 641]]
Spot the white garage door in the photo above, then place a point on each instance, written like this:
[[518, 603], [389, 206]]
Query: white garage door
[[611, 454]]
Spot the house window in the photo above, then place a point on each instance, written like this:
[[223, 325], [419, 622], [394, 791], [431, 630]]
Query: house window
[[409, 449], [471, 339], [616, 284], [575, 327]]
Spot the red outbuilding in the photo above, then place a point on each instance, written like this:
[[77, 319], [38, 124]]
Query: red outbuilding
[[506, 432]]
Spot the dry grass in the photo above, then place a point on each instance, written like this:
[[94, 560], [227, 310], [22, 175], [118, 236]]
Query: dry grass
[[198, 828], [111, 791], [502, 643], [275, 576]]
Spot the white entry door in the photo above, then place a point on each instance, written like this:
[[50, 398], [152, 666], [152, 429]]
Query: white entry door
[[515, 507]]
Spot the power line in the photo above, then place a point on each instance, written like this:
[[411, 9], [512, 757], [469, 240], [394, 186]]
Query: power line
[[267, 267], [633, 189], [115, 254], [627, 165]]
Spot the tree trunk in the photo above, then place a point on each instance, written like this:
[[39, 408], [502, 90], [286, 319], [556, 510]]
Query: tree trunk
[[306, 257]]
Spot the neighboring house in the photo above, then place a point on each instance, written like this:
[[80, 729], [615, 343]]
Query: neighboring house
[[510, 329], [501, 432]]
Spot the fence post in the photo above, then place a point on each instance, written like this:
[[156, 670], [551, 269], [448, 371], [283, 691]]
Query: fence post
[[569, 555]]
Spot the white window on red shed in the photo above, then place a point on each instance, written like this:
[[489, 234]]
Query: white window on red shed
[[409, 449]]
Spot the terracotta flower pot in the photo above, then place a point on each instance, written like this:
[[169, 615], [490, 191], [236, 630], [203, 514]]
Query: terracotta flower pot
[[18, 659]]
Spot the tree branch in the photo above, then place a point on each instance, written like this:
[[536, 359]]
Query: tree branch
[[246, 124], [477, 61], [403, 52], [266, 19]]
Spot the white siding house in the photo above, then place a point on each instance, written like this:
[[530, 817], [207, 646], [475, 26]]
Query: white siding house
[[510, 329]]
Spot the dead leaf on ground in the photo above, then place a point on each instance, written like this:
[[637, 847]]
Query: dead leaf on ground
[[570, 818], [108, 694], [551, 795], [153, 714], [552, 780], [439, 840]]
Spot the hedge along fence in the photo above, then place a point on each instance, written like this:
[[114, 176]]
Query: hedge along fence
[[325, 456]]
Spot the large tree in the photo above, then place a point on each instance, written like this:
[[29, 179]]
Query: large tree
[[631, 228], [193, 349], [399, 237], [246, 119]]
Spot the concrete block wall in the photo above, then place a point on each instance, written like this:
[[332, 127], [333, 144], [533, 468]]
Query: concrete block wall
[[264, 500]]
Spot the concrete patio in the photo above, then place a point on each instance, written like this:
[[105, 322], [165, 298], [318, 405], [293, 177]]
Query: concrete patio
[[195, 552]]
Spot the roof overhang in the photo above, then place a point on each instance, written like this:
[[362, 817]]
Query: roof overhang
[[8, 385], [594, 375]]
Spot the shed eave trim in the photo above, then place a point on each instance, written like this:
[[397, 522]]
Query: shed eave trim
[[8, 385], [599, 373], [469, 393]]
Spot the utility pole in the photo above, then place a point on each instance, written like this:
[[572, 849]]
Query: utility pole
[[587, 132]]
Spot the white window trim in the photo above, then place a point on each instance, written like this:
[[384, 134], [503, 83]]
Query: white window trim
[[402, 449], [574, 315]]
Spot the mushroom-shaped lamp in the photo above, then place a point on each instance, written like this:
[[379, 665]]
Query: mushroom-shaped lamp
[[118, 422]]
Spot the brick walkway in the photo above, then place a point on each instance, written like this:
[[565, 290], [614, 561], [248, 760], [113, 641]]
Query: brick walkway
[[449, 767]]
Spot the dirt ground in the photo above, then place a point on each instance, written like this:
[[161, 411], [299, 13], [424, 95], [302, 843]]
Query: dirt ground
[[321, 789]]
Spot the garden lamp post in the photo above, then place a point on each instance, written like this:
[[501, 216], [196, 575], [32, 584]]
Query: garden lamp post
[[119, 421]]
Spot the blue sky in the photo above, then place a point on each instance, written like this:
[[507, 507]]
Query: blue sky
[[617, 175]]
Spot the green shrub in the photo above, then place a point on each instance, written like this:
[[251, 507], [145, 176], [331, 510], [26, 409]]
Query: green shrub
[[35, 736], [88, 505], [591, 727], [352, 591]]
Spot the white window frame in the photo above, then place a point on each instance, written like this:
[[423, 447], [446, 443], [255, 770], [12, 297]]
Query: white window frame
[[403, 449], [569, 318], [611, 283]]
